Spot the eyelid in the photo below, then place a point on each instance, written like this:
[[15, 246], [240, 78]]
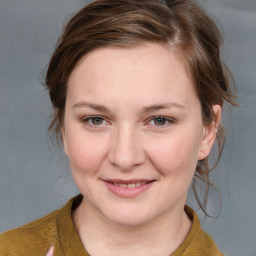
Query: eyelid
[[168, 119], [86, 119]]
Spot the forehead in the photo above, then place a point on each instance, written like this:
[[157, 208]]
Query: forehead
[[146, 72]]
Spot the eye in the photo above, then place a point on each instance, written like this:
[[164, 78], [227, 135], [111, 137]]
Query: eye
[[94, 120], [161, 121]]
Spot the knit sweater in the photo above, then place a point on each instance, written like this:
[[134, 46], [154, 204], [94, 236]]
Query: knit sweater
[[57, 231]]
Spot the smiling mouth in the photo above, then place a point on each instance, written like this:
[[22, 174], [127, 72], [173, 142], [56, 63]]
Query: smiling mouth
[[129, 185], [128, 188]]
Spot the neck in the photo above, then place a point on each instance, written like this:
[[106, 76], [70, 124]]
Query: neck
[[161, 236]]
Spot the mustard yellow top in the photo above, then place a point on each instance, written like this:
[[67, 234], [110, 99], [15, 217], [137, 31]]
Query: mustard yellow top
[[57, 229]]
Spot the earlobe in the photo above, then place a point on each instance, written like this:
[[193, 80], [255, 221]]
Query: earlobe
[[209, 133]]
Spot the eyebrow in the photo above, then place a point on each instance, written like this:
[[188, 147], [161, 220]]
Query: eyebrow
[[97, 107], [162, 106], [145, 110]]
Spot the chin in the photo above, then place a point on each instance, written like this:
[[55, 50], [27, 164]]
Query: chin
[[129, 217], [126, 222]]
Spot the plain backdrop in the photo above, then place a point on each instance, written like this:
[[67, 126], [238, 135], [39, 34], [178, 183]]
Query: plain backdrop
[[34, 173]]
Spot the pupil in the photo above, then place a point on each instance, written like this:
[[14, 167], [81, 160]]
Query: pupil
[[97, 120], [159, 121]]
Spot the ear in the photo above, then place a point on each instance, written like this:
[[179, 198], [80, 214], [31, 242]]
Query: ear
[[209, 133]]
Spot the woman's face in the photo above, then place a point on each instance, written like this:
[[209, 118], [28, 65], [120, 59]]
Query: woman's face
[[133, 132]]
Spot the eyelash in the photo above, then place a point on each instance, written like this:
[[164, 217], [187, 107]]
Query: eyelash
[[88, 121], [165, 119], [90, 118]]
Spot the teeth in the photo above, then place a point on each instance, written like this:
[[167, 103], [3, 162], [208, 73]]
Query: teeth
[[138, 184], [130, 185]]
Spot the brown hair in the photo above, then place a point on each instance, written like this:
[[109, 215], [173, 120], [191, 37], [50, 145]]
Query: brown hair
[[180, 24]]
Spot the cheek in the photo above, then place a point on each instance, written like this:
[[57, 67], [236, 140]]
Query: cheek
[[86, 153], [175, 155]]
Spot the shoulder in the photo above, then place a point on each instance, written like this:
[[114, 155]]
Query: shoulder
[[198, 242], [203, 244], [31, 239]]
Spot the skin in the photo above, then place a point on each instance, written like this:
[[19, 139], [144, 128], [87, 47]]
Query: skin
[[135, 85]]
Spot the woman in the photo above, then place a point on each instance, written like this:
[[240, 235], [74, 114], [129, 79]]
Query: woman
[[137, 89]]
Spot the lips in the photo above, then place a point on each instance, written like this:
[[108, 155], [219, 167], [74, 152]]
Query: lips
[[128, 188]]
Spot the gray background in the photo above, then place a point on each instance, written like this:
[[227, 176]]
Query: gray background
[[34, 173]]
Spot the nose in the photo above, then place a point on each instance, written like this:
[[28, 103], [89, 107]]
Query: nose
[[126, 150]]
